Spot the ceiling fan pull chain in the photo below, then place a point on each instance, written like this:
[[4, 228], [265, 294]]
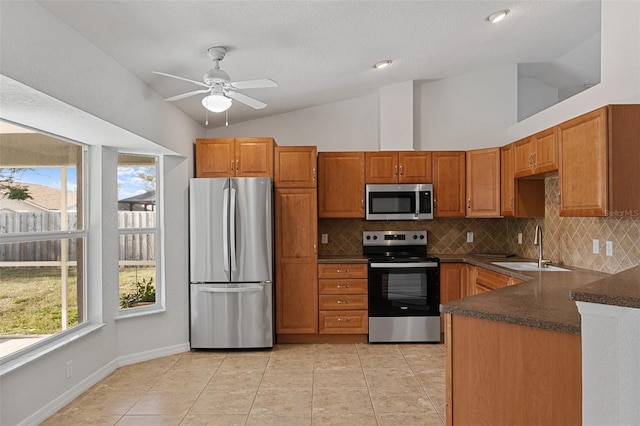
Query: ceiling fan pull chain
[[206, 122], [226, 123]]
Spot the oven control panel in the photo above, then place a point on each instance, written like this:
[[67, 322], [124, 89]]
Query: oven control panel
[[393, 238]]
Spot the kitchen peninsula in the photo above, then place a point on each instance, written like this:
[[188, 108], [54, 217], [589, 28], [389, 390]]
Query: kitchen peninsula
[[514, 354]]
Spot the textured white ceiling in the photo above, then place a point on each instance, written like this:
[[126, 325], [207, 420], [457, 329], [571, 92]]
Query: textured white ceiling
[[322, 51]]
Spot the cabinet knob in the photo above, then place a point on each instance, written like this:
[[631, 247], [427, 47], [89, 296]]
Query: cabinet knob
[[395, 170], [313, 174], [469, 204]]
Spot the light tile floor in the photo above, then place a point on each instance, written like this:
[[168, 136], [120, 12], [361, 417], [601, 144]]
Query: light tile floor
[[319, 384]]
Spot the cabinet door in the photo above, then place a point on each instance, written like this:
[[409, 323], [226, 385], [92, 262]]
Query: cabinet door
[[483, 182], [296, 261], [295, 166], [523, 157], [414, 167], [582, 174], [341, 184], [545, 157], [449, 183], [254, 157], [214, 158], [507, 181], [452, 279], [381, 167]]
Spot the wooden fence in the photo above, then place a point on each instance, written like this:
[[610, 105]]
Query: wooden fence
[[133, 247]]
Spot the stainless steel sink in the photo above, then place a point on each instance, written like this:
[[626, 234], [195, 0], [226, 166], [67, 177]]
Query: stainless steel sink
[[529, 266]]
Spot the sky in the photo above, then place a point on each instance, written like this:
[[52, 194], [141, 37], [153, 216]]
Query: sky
[[129, 184]]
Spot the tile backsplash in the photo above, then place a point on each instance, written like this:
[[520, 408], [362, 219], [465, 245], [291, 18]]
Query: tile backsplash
[[567, 240]]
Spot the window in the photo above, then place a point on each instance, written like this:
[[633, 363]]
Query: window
[[42, 238], [138, 236]]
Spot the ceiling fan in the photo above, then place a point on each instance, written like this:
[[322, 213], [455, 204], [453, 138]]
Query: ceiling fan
[[219, 87]]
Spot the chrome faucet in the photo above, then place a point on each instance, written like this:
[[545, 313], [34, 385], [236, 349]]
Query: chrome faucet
[[537, 241]]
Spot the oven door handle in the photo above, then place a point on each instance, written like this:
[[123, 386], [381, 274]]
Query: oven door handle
[[404, 265]]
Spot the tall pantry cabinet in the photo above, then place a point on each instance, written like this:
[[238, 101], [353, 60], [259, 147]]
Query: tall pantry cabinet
[[296, 240]]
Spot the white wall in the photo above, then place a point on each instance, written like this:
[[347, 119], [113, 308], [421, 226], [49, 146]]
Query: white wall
[[534, 96], [82, 94], [350, 125], [469, 111], [620, 74]]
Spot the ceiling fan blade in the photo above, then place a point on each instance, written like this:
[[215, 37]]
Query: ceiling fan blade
[[199, 83], [253, 103], [254, 84], [186, 95]]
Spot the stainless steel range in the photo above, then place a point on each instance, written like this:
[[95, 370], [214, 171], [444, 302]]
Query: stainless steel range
[[404, 287]]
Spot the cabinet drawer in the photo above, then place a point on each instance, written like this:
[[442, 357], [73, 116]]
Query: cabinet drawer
[[343, 302], [490, 279], [344, 322], [342, 286], [342, 270]]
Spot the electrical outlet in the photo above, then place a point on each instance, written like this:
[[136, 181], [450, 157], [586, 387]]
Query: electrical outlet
[[325, 238], [609, 248], [596, 246], [469, 237], [69, 369], [519, 237]]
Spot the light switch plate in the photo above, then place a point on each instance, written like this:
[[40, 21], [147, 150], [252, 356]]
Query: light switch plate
[[609, 248], [519, 237], [325, 238], [469, 237], [596, 246]]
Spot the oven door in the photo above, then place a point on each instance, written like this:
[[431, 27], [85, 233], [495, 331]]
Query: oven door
[[399, 289]]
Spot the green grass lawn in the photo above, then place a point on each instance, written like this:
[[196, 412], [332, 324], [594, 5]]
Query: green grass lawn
[[30, 298]]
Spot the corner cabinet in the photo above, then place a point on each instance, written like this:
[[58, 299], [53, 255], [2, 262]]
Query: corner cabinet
[[599, 169], [239, 157], [341, 184], [536, 154], [483, 182], [449, 183], [398, 167]]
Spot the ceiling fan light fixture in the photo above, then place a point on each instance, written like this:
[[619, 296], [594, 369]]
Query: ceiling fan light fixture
[[216, 103], [498, 16], [383, 64]]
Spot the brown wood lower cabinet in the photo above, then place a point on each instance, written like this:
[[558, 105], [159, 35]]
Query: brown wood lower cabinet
[[342, 297], [506, 374]]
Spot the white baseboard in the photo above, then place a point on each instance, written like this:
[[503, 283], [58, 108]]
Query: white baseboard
[[65, 398]]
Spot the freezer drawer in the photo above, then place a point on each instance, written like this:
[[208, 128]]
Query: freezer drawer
[[226, 316]]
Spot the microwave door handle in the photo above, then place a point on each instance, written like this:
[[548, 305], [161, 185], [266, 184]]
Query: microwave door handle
[[417, 214]]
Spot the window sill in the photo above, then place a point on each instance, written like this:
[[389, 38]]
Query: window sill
[[46, 348], [140, 312]]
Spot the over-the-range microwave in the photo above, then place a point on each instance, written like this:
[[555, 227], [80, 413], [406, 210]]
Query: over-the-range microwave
[[399, 202]]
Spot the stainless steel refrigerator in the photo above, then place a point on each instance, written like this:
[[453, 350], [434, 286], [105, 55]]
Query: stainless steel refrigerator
[[231, 262]]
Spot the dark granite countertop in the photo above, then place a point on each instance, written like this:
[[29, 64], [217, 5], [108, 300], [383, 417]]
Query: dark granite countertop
[[349, 258], [622, 289], [541, 300]]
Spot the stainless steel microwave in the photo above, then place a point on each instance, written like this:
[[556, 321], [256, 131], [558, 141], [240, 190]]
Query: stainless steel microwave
[[399, 202]]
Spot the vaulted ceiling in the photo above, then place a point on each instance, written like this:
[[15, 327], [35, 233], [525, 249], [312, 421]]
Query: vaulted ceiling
[[322, 51]]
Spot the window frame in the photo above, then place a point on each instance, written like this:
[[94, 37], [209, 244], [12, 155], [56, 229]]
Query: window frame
[[87, 325], [159, 304]]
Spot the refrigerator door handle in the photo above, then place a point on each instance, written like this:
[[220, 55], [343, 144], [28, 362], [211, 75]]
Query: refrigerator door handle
[[230, 290], [225, 228], [232, 229]]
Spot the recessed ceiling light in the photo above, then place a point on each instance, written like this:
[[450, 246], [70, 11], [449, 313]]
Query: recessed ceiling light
[[498, 16], [383, 64]]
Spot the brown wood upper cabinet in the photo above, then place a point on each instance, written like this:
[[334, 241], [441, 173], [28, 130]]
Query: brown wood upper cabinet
[[507, 182], [536, 154], [239, 157], [341, 184], [398, 167], [483, 182], [599, 156], [295, 166], [518, 197], [449, 183]]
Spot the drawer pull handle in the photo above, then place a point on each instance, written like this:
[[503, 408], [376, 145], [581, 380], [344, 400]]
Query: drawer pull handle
[[343, 319], [343, 286], [340, 271], [342, 302]]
